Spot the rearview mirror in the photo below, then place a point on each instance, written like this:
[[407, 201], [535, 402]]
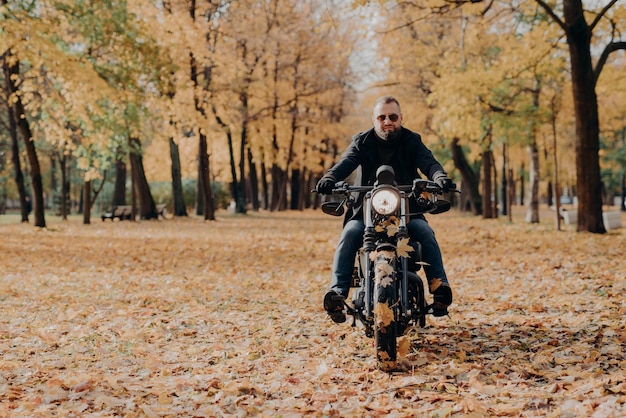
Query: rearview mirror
[[333, 208]]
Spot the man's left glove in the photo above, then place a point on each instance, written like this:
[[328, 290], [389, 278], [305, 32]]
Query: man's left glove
[[325, 185], [444, 181]]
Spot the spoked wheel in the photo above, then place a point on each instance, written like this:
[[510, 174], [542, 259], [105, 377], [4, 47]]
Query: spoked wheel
[[385, 307]]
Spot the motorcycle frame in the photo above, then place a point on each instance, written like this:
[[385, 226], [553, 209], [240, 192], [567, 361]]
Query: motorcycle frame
[[371, 244]]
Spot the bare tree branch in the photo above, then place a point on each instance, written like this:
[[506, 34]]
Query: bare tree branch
[[551, 13], [601, 14], [496, 108], [449, 5], [612, 47]]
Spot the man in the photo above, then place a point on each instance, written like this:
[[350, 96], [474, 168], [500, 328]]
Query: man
[[387, 143]]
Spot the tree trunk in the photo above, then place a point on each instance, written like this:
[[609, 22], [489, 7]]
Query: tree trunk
[[550, 194], [231, 154], [180, 209], [54, 183], [622, 204], [204, 200], [65, 186], [199, 190], [309, 199], [295, 189], [487, 185], [279, 202], [510, 194], [11, 75], [470, 178], [522, 195], [233, 167], [264, 186], [504, 182], [240, 202], [285, 180], [119, 189], [588, 179], [254, 182], [495, 198], [532, 215], [15, 158], [275, 170], [204, 180], [147, 207], [86, 203]]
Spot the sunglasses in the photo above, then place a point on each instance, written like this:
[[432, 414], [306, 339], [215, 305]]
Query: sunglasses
[[393, 117]]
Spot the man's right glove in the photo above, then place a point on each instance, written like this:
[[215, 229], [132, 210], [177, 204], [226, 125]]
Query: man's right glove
[[444, 182], [325, 185]]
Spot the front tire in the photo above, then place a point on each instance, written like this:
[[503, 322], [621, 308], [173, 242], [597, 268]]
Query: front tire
[[417, 299], [385, 308]]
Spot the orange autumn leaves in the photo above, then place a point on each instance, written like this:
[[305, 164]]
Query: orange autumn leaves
[[182, 317]]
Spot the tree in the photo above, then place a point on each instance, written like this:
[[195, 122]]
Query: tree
[[493, 58], [19, 114], [585, 76], [274, 80], [15, 148], [180, 209], [470, 179], [16, 19], [205, 193]]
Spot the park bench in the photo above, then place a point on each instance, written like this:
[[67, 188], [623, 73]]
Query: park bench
[[118, 212], [611, 219], [125, 212], [161, 210], [570, 217]]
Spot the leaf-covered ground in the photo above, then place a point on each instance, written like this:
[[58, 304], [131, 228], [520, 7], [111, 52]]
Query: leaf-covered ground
[[186, 318]]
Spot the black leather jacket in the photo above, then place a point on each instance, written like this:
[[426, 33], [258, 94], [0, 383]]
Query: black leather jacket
[[406, 155]]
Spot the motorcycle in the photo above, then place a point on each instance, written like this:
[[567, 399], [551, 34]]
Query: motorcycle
[[389, 295]]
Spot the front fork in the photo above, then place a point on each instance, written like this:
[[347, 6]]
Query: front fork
[[403, 232], [404, 295], [369, 245]]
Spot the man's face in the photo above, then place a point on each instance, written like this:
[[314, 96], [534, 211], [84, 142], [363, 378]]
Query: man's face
[[387, 120]]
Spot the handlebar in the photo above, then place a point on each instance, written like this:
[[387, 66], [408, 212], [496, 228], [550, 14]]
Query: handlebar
[[418, 186]]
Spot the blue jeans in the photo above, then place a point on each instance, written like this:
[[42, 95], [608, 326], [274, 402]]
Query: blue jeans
[[351, 240]]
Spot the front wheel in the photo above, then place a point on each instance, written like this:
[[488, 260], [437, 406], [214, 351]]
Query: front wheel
[[385, 307]]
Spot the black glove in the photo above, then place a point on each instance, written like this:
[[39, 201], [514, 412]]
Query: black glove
[[325, 185], [444, 182]]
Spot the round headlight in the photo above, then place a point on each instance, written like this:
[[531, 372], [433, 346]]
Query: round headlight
[[385, 201]]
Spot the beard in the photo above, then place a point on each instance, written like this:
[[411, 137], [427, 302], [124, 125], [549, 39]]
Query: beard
[[388, 135]]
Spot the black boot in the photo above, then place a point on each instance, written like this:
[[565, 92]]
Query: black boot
[[442, 296], [334, 304]]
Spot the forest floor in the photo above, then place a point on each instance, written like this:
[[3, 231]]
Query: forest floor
[[183, 317]]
